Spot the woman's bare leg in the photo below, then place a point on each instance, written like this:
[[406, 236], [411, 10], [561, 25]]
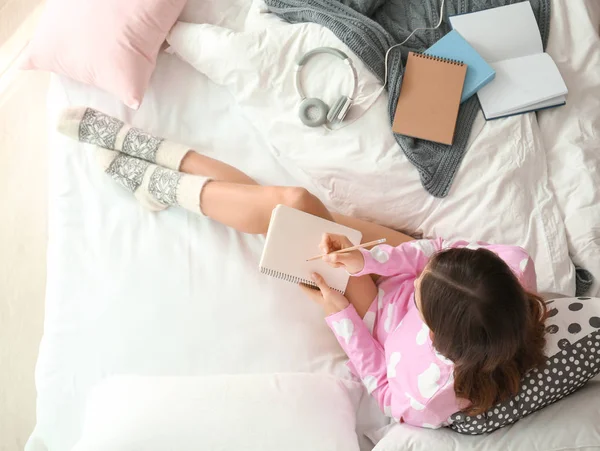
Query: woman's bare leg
[[234, 199], [195, 163], [248, 208], [372, 231]]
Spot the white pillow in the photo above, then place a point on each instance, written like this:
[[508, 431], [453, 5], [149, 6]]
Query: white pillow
[[258, 66], [571, 424], [270, 412], [501, 193], [225, 13]]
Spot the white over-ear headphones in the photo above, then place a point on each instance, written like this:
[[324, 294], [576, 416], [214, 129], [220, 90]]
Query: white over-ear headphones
[[313, 111]]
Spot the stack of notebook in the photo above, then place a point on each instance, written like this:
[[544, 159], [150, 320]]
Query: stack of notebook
[[496, 53], [454, 47], [508, 37]]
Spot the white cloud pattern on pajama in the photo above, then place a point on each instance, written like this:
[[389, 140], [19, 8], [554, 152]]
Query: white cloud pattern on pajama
[[414, 403], [387, 411], [394, 360], [380, 296], [425, 246], [370, 382], [443, 359], [344, 328], [379, 254], [398, 326], [422, 335], [523, 264], [428, 380], [388, 320]]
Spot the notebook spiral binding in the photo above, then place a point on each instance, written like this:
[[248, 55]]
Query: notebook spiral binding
[[292, 279], [441, 60]]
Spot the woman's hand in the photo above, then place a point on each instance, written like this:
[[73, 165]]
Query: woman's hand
[[352, 261], [331, 300]]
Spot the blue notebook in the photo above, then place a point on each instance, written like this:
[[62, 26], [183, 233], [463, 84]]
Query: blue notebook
[[454, 47]]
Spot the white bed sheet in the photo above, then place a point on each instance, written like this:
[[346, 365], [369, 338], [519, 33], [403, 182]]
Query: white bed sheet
[[130, 291], [134, 292], [501, 194], [571, 134]]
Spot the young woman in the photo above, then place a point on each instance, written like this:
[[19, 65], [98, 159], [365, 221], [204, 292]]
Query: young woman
[[446, 327]]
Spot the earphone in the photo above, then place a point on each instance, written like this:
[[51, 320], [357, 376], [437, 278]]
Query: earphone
[[340, 109], [313, 111], [387, 54]]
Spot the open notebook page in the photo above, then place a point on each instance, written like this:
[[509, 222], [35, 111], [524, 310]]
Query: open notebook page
[[521, 83], [294, 237], [501, 33]]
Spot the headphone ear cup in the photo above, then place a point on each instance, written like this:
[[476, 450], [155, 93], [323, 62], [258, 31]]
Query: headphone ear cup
[[313, 112], [338, 111]]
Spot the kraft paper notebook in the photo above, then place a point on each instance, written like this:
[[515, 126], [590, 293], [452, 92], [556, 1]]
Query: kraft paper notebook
[[294, 237], [429, 98]]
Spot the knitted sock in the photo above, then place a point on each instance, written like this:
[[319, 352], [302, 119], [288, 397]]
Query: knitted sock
[[155, 187], [93, 127]]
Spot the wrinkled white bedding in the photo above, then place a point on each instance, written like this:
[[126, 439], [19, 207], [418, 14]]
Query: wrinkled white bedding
[[571, 134], [571, 424], [500, 195], [134, 292]]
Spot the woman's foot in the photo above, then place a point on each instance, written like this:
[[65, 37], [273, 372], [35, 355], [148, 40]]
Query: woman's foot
[[94, 127], [155, 187]]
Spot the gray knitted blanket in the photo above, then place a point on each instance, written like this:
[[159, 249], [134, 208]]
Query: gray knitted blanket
[[371, 27]]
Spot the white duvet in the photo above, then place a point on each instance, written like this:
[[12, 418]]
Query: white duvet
[[501, 193], [133, 292], [571, 134]]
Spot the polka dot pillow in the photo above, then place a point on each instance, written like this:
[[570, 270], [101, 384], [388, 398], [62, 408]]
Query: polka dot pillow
[[573, 350]]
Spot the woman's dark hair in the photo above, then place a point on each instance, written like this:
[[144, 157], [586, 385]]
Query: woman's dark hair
[[484, 321]]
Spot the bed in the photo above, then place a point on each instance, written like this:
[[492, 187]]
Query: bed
[[134, 292]]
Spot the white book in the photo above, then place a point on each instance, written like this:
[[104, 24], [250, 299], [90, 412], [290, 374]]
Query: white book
[[508, 38], [294, 237]]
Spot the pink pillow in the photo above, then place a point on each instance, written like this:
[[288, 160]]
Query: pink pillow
[[111, 44]]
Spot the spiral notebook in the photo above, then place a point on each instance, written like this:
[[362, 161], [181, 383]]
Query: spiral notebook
[[294, 237], [429, 98]]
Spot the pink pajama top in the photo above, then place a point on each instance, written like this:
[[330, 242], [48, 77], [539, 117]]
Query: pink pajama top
[[390, 349]]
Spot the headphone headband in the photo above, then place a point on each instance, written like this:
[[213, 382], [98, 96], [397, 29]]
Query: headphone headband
[[331, 51]]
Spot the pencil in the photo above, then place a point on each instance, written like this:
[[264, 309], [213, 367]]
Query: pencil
[[348, 249]]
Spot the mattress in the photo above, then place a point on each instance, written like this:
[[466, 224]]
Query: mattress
[[135, 292]]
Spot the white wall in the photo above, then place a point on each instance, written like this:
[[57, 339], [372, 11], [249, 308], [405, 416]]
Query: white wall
[[12, 14], [23, 157]]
